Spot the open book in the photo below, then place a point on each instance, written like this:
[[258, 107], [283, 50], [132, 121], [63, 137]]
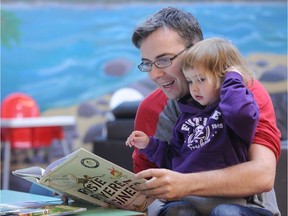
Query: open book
[[84, 176], [39, 209]]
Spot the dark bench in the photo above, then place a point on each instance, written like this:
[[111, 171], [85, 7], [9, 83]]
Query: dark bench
[[281, 180], [112, 147]]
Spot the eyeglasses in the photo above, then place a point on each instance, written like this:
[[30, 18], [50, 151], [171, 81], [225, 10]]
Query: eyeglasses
[[159, 63]]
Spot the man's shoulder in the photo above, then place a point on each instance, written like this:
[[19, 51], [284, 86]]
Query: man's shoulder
[[156, 94], [260, 93], [256, 86], [155, 99]]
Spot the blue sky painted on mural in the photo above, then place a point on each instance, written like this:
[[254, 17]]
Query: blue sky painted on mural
[[63, 50]]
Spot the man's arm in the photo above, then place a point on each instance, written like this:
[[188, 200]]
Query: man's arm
[[236, 181], [254, 176]]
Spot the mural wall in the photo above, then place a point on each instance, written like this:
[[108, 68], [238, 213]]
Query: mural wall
[[71, 57]]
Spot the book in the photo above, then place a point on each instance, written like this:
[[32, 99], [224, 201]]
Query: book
[[86, 177], [40, 209], [7, 209]]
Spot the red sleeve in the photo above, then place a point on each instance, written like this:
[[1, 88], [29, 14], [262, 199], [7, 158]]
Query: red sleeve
[[267, 133], [148, 111]]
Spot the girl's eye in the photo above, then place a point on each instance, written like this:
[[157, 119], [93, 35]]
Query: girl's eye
[[201, 79], [189, 82]]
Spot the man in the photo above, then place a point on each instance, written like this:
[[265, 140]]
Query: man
[[160, 39]]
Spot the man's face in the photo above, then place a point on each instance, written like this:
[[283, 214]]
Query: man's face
[[166, 43]]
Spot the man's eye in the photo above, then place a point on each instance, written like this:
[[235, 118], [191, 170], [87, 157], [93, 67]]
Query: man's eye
[[146, 63], [163, 61]]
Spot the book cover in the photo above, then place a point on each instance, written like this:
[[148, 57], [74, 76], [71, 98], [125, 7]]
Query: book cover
[[84, 176], [40, 209]]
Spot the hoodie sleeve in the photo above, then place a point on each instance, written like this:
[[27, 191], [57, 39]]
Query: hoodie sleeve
[[238, 106], [162, 152], [157, 151]]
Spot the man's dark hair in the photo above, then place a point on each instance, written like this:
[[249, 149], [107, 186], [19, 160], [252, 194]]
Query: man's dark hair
[[184, 23]]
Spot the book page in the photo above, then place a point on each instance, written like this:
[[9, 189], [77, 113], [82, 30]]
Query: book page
[[36, 172], [90, 178], [56, 163]]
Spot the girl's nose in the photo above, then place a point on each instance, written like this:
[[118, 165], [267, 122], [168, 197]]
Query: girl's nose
[[193, 88]]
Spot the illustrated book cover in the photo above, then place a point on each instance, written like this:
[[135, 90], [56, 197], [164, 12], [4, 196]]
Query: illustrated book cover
[[86, 177]]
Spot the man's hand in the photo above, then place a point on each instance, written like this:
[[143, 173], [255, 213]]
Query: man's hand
[[164, 184]]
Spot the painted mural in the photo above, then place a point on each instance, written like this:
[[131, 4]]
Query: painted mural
[[72, 57]]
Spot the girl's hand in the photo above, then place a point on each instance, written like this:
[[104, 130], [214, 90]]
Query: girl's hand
[[138, 139], [234, 69]]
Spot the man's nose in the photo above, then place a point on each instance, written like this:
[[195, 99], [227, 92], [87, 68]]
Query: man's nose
[[155, 73]]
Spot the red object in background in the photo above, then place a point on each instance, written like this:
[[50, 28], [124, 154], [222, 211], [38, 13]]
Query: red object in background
[[20, 105], [44, 136]]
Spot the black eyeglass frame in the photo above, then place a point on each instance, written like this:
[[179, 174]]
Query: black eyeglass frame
[[140, 66]]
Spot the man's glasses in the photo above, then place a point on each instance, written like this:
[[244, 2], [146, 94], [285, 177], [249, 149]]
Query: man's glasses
[[159, 63]]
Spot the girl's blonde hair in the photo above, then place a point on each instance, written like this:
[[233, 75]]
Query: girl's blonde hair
[[214, 56]]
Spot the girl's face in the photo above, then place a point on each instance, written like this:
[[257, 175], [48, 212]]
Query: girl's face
[[203, 90]]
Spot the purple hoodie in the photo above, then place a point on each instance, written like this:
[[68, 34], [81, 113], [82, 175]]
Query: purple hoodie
[[212, 137]]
